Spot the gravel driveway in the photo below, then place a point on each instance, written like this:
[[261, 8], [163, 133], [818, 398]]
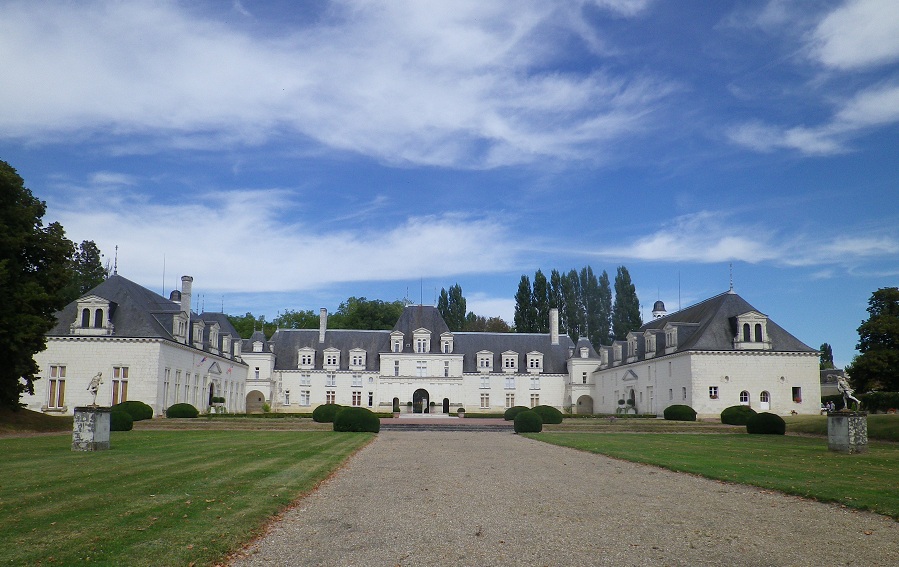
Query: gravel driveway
[[484, 498]]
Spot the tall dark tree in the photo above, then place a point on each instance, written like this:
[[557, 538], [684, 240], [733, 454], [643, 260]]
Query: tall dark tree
[[826, 356], [590, 290], [34, 272], [452, 307], [540, 303], [523, 307], [88, 270], [574, 308], [877, 365], [557, 298], [626, 309], [604, 311]]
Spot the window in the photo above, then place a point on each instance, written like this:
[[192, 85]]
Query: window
[[165, 387], [684, 391], [57, 398], [746, 336], [744, 397], [305, 379], [119, 384], [331, 358], [510, 382], [85, 317], [670, 394], [330, 397], [535, 400], [797, 394], [485, 381], [765, 397], [758, 332], [421, 368], [510, 400], [534, 362], [357, 359], [357, 398], [446, 347], [535, 382], [286, 397], [485, 401], [177, 384], [256, 373], [397, 344], [446, 368], [583, 377], [371, 399], [713, 392], [357, 380], [396, 367], [330, 379], [304, 397], [98, 318], [257, 346], [307, 358], [421, 345]]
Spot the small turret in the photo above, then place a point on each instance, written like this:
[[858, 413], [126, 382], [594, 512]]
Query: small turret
[[658, 310]]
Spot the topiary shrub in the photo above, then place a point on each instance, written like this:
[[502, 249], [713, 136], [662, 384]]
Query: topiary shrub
[[548, 414], [356, 419], [680, 412], [528, 421], [136, 409], [120, 421], [513, 411], [737, 415], [182, 410], [325, 413], [766, 423]]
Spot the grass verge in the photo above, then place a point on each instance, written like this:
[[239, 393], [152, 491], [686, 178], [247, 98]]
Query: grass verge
[[880, 426], [27, 421], [795, 465], [155, 498]]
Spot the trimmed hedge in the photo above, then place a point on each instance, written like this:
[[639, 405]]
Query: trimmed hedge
[[325, 413], [182, 410], [136, 409], [120, 421], [737, 415], [879, 401], [548, 414], [680, 412], [356, 419], [528, 421], [513, 411], [766, 423]]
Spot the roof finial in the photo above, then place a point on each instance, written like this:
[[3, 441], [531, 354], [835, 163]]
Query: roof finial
[[731, 290], [115, 265]]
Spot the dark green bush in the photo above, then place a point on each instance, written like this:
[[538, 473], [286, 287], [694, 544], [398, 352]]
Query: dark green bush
[[680, 412], [120, 421], [325, 413], [737, 415], [136, 409], [182, 410], [878, 401], [513, 411], [548, 414], [766, 423], [528, 421], [356, 419]]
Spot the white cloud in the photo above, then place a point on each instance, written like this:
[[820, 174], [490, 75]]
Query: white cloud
[[488, 306], [207, 236], [458, 84], [858, 34]]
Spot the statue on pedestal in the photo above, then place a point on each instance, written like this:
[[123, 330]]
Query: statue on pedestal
[[845, 389], [94, 386]]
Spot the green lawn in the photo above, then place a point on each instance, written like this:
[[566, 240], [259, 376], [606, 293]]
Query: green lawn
[[880, 426], [794, 465], [155, 498]]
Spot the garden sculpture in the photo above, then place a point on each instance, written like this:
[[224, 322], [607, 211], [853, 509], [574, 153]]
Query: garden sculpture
[[846, 390], [94, 385]]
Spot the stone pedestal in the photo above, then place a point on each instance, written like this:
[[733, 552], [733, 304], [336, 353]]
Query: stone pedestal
[[90, 430], [847, 432]]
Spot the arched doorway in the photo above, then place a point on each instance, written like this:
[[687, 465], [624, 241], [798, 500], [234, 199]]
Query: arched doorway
[[396, 405], [255, 399], [211, 393], [764, 401], [584, 405], [445, 405], [420, 399]]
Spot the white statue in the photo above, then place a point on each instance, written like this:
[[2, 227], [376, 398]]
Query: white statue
[[845, 389], [94, 386]]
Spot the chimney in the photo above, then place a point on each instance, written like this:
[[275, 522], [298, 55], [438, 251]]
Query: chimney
[[186, 283], [322, 325], [554, 326]]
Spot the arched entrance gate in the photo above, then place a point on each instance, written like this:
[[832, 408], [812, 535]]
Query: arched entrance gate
[[420, 400]]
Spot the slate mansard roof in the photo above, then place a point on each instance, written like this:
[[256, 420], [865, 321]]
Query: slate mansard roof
[[286, 343], [137, 312]]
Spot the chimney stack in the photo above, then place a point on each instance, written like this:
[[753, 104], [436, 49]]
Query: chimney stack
[[554, 326], [186, 284], [322, 325]]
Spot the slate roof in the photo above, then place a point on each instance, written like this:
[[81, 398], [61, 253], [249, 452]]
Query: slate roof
[[285, 343], [257, 336]]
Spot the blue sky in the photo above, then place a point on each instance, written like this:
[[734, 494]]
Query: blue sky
[[289, 155]]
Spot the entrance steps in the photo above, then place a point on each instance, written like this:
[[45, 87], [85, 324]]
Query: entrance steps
[[443, 422]]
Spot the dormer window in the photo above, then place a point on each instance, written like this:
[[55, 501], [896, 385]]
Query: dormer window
[[421, 338], [357, 358], [93, 317], [199, 327], [649, 339], [752, 332], [616, 353], [585, 352], [604, 357], [485, 361], [332, 357], [446, 343], [257, 346], [510, 361], [670, 339], [396, 341], [535, 362], [306, 358]]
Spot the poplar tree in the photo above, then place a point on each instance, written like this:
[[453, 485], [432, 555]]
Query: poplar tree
[[604, 312], [523, 306], [626, 309], [571, 290], [557, 298], [540, 303]]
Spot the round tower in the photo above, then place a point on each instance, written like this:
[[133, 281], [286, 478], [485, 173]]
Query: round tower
[[658, 310]]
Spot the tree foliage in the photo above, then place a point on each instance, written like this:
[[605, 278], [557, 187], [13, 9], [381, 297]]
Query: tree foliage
[[366, 314], [540, 303], [826, 356], [87, 268], [877, 365], [452, 307], [34, 272], [523, 309], [481, 324], [626, 309]]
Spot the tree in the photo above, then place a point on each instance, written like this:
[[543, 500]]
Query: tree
[[523, 308], [34, 272], [481, 324], [826, 357], [290, 319], [245, 325], [87, 270], [603, 333], [626, 309], [557, 298], [877, 365], [451, 306], [365, 314], [540, 304], [574, 319]]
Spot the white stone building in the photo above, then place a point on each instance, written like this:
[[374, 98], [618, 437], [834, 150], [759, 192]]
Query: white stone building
[[147, 348]]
